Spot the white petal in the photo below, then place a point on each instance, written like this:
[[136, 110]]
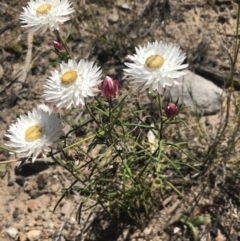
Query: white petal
[[39, 23], [153, 79], [73, 95], [51, 131]]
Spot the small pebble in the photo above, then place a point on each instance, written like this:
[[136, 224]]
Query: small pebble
[[147, 231], [20, 181], [42, 181], [22, 236], [39, 222], [31, 205], [10, 183], [30, 186], [34, 235], [12, 232], [15, 213]]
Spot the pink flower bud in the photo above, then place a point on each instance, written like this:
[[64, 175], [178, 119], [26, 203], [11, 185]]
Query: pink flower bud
[[58, 46], [109, 87], [171, 110]]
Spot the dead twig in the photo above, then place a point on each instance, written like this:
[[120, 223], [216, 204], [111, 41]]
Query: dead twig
[[9, 161], [27, 64]]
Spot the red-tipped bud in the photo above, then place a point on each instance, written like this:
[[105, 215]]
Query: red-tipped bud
[[58, 46], [109, 87], [171, 110]]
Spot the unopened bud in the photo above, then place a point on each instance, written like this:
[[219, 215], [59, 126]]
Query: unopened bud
[[58, 46], [171, 110], [109, 87]]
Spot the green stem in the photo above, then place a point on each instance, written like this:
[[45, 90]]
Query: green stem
[[109, 111], [160, 117], [93, 117], [65, 167], [81, 141], [7, 149], [56, 32]]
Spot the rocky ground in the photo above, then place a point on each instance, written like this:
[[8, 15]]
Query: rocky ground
[[107, 31]]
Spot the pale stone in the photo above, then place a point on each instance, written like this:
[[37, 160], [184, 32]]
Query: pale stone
[[113, 17], [12, 232], [206, 96], [22, 236], [147, 231], [34, 235]]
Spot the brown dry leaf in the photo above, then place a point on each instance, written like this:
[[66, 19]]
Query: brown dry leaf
[[196, 19], [196, 15], [196, 211], [220, 237]]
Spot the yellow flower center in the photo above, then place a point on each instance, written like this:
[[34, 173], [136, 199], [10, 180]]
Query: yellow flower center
[[69, 77], [154, 61], [33, 132], [44, 8]]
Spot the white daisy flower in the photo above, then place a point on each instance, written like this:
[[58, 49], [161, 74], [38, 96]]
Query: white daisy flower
[[72, 84], [35, 133], [156, 65], [40, 15]]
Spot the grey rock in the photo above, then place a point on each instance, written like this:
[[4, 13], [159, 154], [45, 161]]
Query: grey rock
[[16, 213], [200, 95], [35, 194], [10, 183], [12, 232], [42, 181], [20, 181]]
